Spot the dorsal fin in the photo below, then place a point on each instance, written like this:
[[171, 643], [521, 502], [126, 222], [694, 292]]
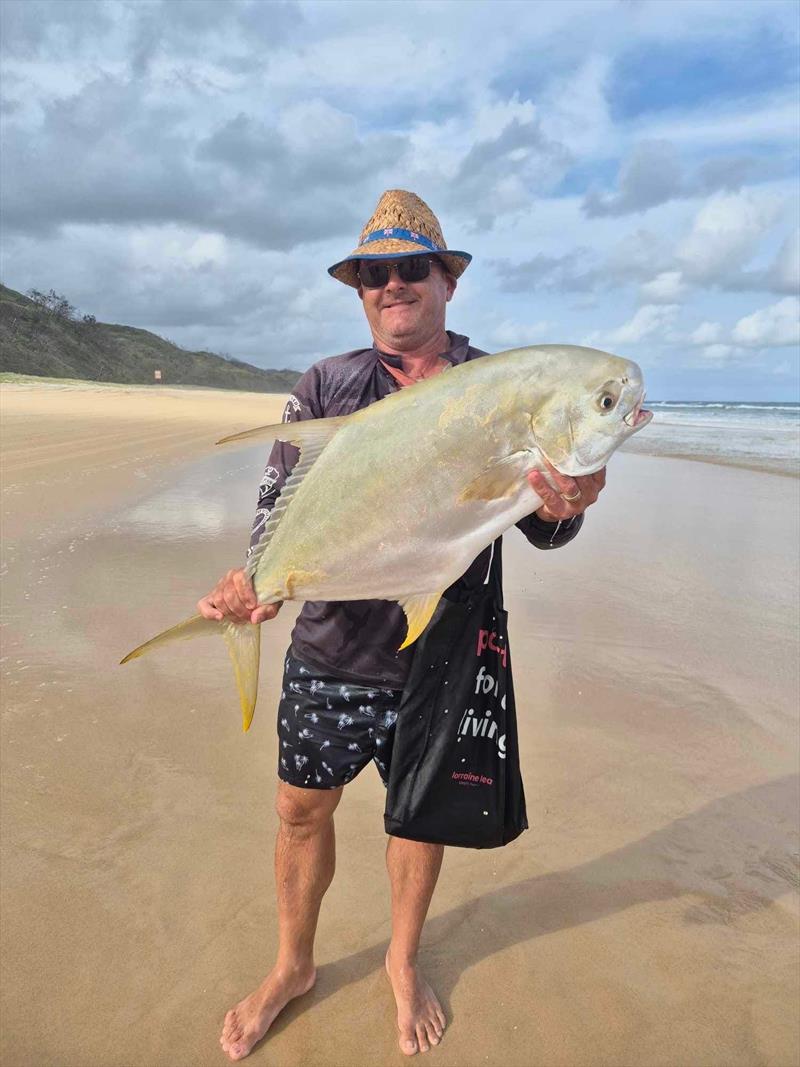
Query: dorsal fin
[[310, 436], [304, 434]]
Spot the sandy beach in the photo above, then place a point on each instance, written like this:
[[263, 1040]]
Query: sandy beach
[[648, 917]]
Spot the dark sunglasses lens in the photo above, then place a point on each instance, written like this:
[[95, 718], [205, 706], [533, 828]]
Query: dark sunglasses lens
[[374, 274], [414, 269]]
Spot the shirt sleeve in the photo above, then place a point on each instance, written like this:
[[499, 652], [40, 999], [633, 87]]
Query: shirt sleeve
[[549, 534], [303, 403]]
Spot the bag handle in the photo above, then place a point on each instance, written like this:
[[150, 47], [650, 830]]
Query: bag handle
[[494, 572]]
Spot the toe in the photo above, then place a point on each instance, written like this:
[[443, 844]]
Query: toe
[[441, 1021], [433, 1037], [422, 1038], [408, 1045]]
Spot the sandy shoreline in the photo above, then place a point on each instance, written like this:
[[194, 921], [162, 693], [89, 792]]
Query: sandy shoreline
[[76, 442], [650, 914]]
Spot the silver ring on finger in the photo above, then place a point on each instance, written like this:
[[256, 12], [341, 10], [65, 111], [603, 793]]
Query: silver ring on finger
[[571, 498]]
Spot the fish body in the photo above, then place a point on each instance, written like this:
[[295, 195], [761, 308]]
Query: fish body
[[395, 501]]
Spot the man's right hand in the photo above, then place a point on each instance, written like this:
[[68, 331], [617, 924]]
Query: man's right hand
[[233, 597]]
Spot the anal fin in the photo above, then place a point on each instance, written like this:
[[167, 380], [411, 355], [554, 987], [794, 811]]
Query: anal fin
[[419, 610], [243, 641]]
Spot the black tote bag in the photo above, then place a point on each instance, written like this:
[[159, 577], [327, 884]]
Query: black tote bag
[[454, 777]]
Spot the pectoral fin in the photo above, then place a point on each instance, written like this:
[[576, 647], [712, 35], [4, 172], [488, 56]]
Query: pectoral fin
[[419, 610], [501, 479]]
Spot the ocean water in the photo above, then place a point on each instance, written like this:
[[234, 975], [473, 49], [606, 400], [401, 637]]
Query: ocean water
[[764, 436]]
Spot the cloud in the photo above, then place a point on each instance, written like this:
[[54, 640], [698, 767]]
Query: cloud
[[775, 326], [653, 174], [648, 321], [576, 271], [719, 353], [770, 327], [122, 161], [632, 258], [783, 276], [496, 174], [511, 334], [668, 287], [650, 176], [192, 167], [707, 333], [34, 27], [725, 234]]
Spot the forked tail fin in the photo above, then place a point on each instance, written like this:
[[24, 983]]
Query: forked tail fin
[[243, 641]]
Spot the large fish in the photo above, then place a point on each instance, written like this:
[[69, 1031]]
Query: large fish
[[433, 474]]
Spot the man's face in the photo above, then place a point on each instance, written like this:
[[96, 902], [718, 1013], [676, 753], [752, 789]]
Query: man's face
[[405, 316]]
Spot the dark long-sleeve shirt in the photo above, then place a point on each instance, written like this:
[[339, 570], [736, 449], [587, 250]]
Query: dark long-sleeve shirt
[[358, 639]]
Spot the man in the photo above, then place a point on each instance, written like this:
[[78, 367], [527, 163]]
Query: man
[[343, 674]]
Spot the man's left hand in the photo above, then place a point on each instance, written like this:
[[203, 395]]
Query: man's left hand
[[571, 497]]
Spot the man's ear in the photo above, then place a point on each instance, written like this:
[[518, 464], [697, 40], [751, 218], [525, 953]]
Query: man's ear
[[451, 286], [360, 291]]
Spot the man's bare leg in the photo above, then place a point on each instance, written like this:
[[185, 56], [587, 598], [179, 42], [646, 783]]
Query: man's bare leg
[[413, 870], [305, 859]]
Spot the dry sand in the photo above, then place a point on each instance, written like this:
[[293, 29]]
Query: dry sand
[[649, 916]]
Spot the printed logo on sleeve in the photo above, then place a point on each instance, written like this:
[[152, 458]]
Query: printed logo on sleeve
[[292, 408]]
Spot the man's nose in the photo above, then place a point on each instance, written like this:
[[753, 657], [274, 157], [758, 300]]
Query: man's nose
[[395, 281]]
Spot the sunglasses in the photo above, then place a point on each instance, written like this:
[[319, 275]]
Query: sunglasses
[[374, 273]]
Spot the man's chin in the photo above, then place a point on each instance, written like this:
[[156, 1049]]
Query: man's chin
[[399, 329]]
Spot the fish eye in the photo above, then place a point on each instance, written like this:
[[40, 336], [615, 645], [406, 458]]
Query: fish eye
[[606, 398]]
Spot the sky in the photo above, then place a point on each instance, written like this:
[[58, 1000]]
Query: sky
[[624, 172]]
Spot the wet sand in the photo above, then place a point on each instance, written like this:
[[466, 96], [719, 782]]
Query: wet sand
[[649, 915]]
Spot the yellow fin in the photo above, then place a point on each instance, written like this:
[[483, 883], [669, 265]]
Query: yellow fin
[[197, 626], [419, 610], [243, 644], [499, 480], [243, 641], [307, 434]]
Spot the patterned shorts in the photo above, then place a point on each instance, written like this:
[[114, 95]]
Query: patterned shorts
[[329, 729]]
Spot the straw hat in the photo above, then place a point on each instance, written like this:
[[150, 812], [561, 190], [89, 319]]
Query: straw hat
[[402, 225]]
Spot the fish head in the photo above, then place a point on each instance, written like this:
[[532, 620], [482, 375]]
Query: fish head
[[593, 404]]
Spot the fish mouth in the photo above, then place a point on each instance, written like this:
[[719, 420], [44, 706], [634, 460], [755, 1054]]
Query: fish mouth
[[638, 416]]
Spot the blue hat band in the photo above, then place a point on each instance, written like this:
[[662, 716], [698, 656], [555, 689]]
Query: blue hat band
[[403, 235]]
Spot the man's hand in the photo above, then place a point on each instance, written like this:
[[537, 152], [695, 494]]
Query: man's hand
[[233, 597], [571, 497]]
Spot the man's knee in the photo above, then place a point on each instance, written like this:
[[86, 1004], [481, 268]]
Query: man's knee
[[305, 811]]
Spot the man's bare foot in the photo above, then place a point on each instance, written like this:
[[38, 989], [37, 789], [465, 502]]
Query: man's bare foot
[[247, 1023], [420, 1018]]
